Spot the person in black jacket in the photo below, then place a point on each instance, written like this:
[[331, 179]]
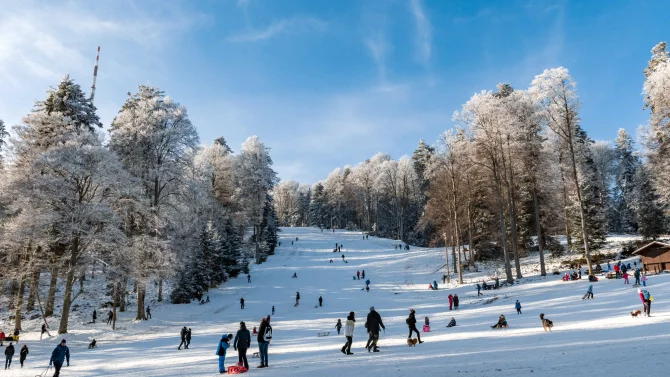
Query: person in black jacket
[[9, 353], [242, 343], [242, 303], [320, 301], [372, 324], [188, 338], [23, 354], [411, 322], [182, 333], [95, 315]]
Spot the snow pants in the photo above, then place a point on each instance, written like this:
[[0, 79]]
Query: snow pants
[[222, 368], [57, 367], [8, 361], [648, 307], [21, 360], [242, 357], [413, 328], [263, 352]]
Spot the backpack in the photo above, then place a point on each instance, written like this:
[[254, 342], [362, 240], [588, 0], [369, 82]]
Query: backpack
[[268, 334]]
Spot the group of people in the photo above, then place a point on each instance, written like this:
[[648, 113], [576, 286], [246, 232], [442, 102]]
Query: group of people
[[9, 354], [400, 246], [242, 342]]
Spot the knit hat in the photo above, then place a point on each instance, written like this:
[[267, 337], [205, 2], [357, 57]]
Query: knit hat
[[372, 308], [62, 341]]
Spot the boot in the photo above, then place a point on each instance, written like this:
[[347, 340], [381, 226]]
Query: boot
[[343, 351], [376, 349], [350, 353], [420, 341]]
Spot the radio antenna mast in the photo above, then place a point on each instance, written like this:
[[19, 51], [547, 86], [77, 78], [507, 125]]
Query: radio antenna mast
[[95, 74]]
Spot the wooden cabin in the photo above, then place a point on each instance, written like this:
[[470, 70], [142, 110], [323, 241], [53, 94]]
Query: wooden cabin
[[655, 257]]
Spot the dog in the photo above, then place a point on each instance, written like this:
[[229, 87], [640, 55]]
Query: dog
[[412, 342], [636, 313], [546, 323]]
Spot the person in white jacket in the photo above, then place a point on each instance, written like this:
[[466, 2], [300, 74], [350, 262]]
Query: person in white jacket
[[349, 333]]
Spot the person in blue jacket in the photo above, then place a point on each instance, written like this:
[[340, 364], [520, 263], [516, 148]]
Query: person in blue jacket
[[60, 354], [221, 352], [517, 306]]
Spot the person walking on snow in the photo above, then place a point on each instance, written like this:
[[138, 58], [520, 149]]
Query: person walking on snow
[[188, 338], [411, 323], [95, 315], [625, 277], [297, 299], [242, 343], [589, 292], [9, 353], [182, 334], [518, 307], [221, 352], [644, 280], [644, 302], [451, 301], [273, 310], [456, 302], [59, 355], [109, 317], [248, 278], [363, 274], [349, 333], [44, 330], [637, 276], [342, 256], [648, 299], [479, 288], [148, 312], [23, 354], [320, 301], [373, 324], [338, 326], [264, 337], [241, 302], [358, 274], [367, 284]]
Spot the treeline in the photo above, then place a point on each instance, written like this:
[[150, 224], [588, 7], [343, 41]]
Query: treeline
[[516, 168], [144, 202]]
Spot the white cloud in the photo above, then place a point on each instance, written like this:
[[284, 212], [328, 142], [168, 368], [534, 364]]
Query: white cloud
[[378, 49], [287, 25], [423, 31]]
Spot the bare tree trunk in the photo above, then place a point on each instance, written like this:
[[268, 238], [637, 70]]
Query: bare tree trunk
[[34, 286], [44, 317], [565, 201], [141, 291], [160, 289], [470, 241], [19, 302], [503, 233], [511, 208], [446, 255], [460, 262], [51, 298], [124, 289], [13, 292], [69, 281], [582, 215], [538, 231], [115, 304]]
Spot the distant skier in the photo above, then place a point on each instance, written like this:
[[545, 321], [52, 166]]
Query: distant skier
[[373, 324], [148, 312], [411, 323], [221, 352], [59, 355], [297, 299], [451, 301], [242, 303], [182, 334], [95, 315], [518, 307], [242, 343], [23, 354], [188, 338], [248, 278], [338, 326], [320, 301], [456, 300]]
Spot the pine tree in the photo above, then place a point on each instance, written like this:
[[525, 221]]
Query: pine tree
[[626, 166], [649, 214], [318, 208]]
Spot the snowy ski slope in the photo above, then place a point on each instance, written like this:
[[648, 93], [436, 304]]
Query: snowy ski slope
[[590, 338]]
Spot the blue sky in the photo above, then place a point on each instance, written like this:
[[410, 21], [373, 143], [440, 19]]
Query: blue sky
[[329, 83]]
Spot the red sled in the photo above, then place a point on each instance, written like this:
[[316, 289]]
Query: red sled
[[236, 369], [426, 328]]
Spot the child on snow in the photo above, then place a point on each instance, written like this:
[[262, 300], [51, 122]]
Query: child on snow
[[452, 323], [518, 307], [625, 277], [426, 325], [502, 323], [221, 352], [644, 280], [589, 293], [338, 326]]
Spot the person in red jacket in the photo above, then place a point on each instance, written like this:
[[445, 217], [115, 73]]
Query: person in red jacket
[[451, 301], [616, 270]]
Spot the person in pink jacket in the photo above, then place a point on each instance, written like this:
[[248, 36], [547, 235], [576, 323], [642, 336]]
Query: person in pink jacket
[[625, 278], [644, 303]]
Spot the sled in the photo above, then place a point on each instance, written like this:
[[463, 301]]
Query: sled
[[236, 369], [255, 355], [325, 333]]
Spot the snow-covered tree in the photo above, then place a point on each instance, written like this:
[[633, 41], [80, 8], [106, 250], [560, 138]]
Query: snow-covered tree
[[626, 165], [649, 213]]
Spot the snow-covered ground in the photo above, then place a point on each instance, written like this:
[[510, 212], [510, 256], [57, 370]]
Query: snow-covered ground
[[590, 338]]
